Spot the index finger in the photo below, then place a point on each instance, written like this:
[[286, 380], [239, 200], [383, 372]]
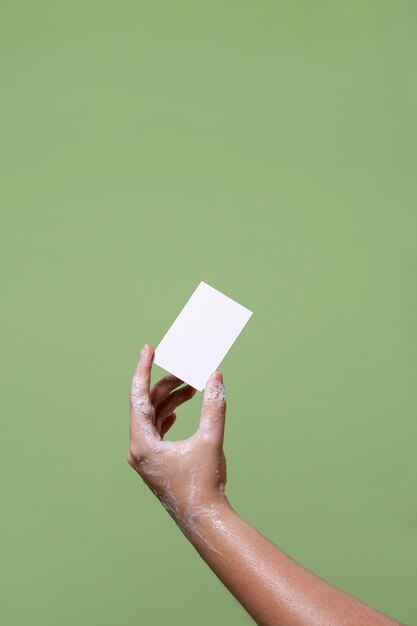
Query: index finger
[[144, 369], [140, 398]]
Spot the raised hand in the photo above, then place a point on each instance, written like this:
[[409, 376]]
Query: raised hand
[[188, 476]]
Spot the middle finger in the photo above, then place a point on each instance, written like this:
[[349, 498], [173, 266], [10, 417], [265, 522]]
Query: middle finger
[[173, 400], [161, 390]]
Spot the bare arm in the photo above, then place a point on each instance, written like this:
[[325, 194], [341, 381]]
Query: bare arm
[[271, 586], [189, 478]]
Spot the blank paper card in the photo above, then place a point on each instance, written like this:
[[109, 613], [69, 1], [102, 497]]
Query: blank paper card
[[201, 336]]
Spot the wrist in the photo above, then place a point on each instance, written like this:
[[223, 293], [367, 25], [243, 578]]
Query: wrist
[[203, 519]]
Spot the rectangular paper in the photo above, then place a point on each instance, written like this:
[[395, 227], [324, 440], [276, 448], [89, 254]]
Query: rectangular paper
[[201, 336]]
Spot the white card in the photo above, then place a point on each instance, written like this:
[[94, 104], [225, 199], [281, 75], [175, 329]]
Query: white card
[[201, 336]]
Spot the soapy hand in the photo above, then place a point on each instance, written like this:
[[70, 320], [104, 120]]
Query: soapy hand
[[188, 476]]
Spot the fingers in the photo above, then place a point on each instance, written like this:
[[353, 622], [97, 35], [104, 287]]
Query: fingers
[[142, 412], [163, 388], [173, 400], [213, 409], [143, 370], [167, 423]]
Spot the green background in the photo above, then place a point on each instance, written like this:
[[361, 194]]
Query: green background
[[268, 148]]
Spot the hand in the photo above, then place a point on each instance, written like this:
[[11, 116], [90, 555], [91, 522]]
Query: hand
[[188, 476]]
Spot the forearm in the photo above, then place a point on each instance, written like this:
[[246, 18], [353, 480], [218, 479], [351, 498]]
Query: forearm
[[271, 586]]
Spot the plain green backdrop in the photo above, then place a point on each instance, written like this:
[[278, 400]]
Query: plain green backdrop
[[268, 148]]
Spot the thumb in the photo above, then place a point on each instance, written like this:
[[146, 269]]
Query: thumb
[[213, 409]]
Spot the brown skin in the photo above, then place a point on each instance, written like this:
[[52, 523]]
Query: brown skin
[[189, 477]]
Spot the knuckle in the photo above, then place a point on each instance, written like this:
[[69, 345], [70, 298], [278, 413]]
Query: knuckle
[[143, 404], [136, 457], [211, 416], [206, 434], [215, 393], [138, 386]]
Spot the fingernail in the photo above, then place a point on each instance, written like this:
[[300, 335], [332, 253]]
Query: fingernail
[[142, 352], [218, 376]]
